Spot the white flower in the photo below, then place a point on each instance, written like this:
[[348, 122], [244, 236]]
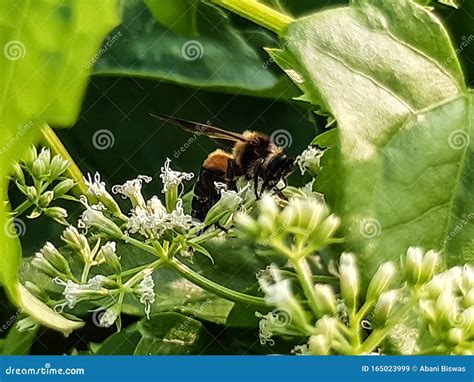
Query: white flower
[[92, 215], [97, 189], [132, 189], [178, 219], [74, 293], [110, 316], [277, 290], [309, 159], [171, 178], [156, 219], [96, 186], [146, 291]]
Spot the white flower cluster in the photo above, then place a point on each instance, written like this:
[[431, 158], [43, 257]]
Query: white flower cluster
[[172, 178]]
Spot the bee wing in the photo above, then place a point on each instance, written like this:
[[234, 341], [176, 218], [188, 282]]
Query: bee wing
[[202, 129]]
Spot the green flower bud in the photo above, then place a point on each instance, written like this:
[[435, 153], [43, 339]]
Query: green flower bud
[[468, 299], [44, 266], [31, 156], [37, 291], [46, 199], [267, 206], [31, 193], [267, 225], [57, 213], [63, 187], [319, 345], [325, 299], [39, 169], [384, 308], [246, 224], [468, 321], [17, 173], [445, 307], [108, 252], [26, 324], [427, 310], [381, 281], [75, 240], [428, 266], [45, 156], [413, 265], [57, 260], [349, 279], [455, 336], [229, 202], [58, 167], [326, 230]]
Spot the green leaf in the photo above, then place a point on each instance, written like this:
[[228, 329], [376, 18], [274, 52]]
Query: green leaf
[[168, 333], [47, 46], [403, 174], [218, 58], [121, 343], [177, 15], [18, 343]]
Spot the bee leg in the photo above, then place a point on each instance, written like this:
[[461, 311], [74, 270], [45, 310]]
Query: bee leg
[[222, 228], [256, 176], [231, 174]]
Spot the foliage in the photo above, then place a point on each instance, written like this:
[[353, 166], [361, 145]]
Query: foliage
[[370, 251]]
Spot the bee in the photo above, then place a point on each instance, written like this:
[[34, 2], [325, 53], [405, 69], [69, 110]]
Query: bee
[[253, 156]]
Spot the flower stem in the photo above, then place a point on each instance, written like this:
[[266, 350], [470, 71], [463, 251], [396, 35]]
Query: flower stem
[[305, 277], [51, 140], [213, 287], [196, 278], [257, 12]]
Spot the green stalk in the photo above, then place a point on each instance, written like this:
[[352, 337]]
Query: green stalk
[[51, 140], [196, 278], [215, 288], [305, 277], [257, 12]]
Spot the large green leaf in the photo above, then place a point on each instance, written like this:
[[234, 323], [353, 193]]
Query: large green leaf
[[404, 171], [47, 46], [219, 57], [18, 342], [177, 15], [168, 333]]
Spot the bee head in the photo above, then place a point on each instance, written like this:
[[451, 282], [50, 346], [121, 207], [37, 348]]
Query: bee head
[[280, 166]]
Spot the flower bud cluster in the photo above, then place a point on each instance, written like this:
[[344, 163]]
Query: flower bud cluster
[[48, 183]]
